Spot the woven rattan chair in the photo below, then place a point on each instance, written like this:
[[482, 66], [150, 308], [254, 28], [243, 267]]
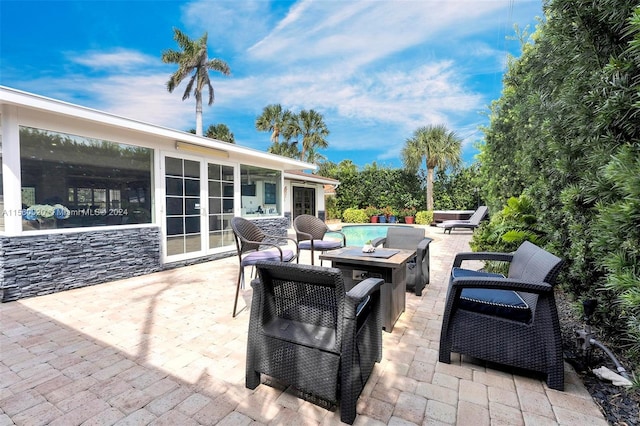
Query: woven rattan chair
[[307, 332], [251, 242], [410, 238], [310, 233], [509, 320]]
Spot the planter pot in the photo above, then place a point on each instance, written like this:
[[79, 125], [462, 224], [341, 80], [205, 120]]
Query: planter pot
[[392, 219], [374, 219], [382, 219], [409, 219], [49, 223]]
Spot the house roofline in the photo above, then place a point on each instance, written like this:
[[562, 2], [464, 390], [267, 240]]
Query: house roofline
[[19, 98]]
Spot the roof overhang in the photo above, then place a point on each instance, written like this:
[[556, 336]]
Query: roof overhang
[[189, 141], [311, 178]]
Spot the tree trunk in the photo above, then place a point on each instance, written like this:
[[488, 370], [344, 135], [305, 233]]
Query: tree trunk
[[199, 114], [430, 189]]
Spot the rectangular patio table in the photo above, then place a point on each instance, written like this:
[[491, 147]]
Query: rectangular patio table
[[388, 264]]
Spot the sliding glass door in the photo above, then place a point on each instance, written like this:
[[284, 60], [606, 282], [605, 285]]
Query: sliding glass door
[[199, 205]]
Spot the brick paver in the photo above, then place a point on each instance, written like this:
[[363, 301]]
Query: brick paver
[[163, 349]]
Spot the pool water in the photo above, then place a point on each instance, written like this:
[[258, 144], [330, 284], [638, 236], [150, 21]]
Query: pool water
[[358, 235]]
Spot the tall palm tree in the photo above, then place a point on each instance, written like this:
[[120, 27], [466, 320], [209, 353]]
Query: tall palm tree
[[311, 127], [193, 58], [273, 119], [438, 146]]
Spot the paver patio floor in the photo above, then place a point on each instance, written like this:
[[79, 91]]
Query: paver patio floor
[[163, 349]]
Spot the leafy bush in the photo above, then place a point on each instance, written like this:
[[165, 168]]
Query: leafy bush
[[424, 217], [331, 208], [355, 216], [372, 211], [514, 224]]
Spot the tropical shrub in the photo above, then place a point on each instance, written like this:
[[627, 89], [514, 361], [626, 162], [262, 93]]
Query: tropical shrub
[[565, 131], [507, 229], [355, 216], [424, 217]]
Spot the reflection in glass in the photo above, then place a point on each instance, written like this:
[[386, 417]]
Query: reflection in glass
[[261, 191], [91, 182]]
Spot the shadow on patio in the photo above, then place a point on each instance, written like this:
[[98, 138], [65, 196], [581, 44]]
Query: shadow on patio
[[164, 349]]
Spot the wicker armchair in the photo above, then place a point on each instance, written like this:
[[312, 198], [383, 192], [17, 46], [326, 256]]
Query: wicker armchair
[[410, 238], [509, 320], [310, 232], [249, 241], [307, 332]]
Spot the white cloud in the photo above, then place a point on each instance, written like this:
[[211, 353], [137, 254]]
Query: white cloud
[[360, 32], [391, 65], [115, 60]]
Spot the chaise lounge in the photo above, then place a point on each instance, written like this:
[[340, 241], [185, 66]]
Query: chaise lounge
[[472, 223]]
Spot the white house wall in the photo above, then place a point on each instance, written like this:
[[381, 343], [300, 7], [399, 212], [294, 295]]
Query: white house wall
[[75, 257]]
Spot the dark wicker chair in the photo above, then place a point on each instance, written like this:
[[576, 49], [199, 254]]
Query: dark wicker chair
[[507, 320], [250, 244], [472, 223], [310, 232], [410, 238], [307, 332]]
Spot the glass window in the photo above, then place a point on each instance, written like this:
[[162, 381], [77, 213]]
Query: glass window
[[261, 191], [220, 181], [183, 205], [71, 181]]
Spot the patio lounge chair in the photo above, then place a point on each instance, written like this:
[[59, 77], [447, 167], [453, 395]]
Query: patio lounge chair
[[509, 320], [310, 232], [472, 223], [410, 238], [249, 241], [306, 331]]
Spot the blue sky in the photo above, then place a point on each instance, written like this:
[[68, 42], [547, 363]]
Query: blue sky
[[375, 69]]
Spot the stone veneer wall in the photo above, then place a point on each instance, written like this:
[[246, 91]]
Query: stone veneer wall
[[41, 264]]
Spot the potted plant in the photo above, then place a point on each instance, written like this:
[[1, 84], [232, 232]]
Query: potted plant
[[373, 213], [410, 208], [393, 215], [385, 214], [409, 214]]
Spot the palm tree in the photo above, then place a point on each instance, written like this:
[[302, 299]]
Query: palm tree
[[220, 132], [193, 58], [286, 149], [311, 127], [313, 156], [273, 119], [440, 148]]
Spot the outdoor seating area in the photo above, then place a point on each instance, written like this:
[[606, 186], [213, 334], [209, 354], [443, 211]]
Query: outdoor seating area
[[164, 348]]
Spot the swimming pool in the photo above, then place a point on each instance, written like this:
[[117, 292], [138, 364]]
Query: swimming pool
[[358, 235]]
